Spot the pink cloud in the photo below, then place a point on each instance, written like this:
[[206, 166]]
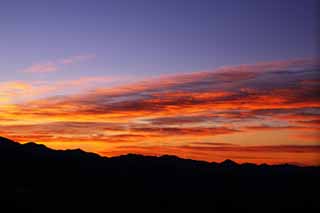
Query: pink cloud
[[76, 59], [42, 68], [53, 66]]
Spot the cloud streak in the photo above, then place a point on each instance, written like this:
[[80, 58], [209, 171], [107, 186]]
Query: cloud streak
[[241, 105], [54, 66], [22, 91]]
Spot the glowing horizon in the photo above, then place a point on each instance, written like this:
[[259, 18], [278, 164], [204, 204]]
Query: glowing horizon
[[206, 80], [263, 113]]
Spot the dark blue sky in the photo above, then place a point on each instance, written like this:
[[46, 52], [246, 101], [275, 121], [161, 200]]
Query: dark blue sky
[[152, 37]]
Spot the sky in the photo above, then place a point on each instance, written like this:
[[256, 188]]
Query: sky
[[201, 79]]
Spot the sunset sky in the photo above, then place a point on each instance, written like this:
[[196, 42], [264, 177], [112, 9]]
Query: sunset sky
[[200, 79]]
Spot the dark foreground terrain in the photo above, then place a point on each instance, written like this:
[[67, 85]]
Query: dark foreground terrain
[[34, 178]]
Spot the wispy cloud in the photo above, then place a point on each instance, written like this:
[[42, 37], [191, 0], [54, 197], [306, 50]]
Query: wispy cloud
[[242, 104], [42, 68], [22, 91], [53, 66], [76, 59]]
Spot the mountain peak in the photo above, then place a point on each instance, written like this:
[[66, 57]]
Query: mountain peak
[[229, 163], [5, 140]]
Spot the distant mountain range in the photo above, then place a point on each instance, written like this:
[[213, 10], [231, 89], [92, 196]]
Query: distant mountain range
[[34, 178]]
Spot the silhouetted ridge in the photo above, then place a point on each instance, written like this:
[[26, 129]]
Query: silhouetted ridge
[[4, 140], [40, 148], [78, 181], [229, 163]]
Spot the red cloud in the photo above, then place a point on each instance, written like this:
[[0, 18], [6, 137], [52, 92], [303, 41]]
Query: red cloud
[[277, 96]]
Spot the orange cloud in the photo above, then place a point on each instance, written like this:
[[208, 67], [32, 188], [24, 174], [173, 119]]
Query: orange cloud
[[281, 97], [16, 90], [22, 91]]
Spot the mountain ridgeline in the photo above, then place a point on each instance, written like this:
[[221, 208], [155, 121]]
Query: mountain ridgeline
[[35, 178]]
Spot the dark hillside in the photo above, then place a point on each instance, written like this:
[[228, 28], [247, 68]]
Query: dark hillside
[[35, 178]]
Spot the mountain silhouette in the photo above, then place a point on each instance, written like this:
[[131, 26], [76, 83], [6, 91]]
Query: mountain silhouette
[[35, 178]]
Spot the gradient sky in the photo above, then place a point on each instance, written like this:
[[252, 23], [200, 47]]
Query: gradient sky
[[202, 79]]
